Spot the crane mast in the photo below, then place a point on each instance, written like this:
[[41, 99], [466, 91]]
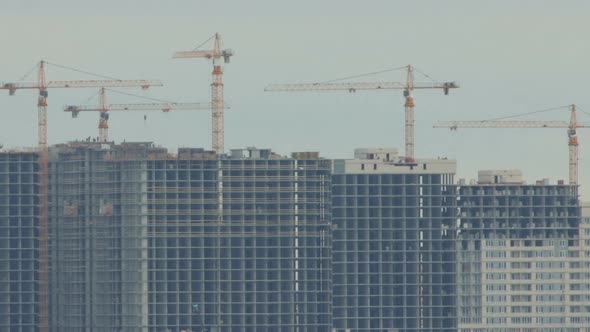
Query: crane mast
[[103, 121], [571, 127], [409, 110], [573, 146], [407, 88], [43, 203], [217, 100], [217, 107]]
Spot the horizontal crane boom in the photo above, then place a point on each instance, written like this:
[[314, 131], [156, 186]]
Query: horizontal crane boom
[[12, 87], [352, 87], [104, 84], [165, 107], [504, 124], [195, 54]]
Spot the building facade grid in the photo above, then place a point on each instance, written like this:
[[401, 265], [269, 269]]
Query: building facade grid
[[19, 246]]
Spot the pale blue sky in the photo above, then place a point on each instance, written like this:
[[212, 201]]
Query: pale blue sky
[[510, 57]]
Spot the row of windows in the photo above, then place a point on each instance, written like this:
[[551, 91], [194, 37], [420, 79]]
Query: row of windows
[[549, 275], [538, 275], [550, 309], [577, 265], [549, 287], [580, 298], [496, 287], [496, 265], [549, 265], [530, 254], [520, 320], [520, 287], [496, 309], [524, 320], [538, 320]]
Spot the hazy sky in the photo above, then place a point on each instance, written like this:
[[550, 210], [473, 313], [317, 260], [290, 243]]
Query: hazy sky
[[509, 56]]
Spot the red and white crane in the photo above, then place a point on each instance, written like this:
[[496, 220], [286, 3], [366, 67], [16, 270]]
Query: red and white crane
[[103, 109], [407, 88], [571, 126], [217, 107], [43, 85]]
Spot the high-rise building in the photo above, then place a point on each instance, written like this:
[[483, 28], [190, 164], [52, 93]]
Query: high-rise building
[[523, 256], [98, 237], [393, 243], [239, 243], [19, 246], [144, 240]]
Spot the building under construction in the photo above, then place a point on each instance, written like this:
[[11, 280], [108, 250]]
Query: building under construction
[[522, 256], [143, 240], [98, 218], [393, 243], [19, 254]]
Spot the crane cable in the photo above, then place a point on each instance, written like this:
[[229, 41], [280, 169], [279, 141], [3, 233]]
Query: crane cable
[[528, 113], [139, 96], [203, 43], [362, 75], [580, 109], [91, 97], [378, 72], [111, 78], [36, 66], [423, 73], [82, 71]]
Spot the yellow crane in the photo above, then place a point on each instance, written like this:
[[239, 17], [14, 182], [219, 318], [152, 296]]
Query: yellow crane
[[571, 127], [216, 86], [407, 88]]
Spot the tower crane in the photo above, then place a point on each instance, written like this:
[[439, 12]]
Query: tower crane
[[216, 86], [407, 88], [571, 126], [103, 109], [43, 85]]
